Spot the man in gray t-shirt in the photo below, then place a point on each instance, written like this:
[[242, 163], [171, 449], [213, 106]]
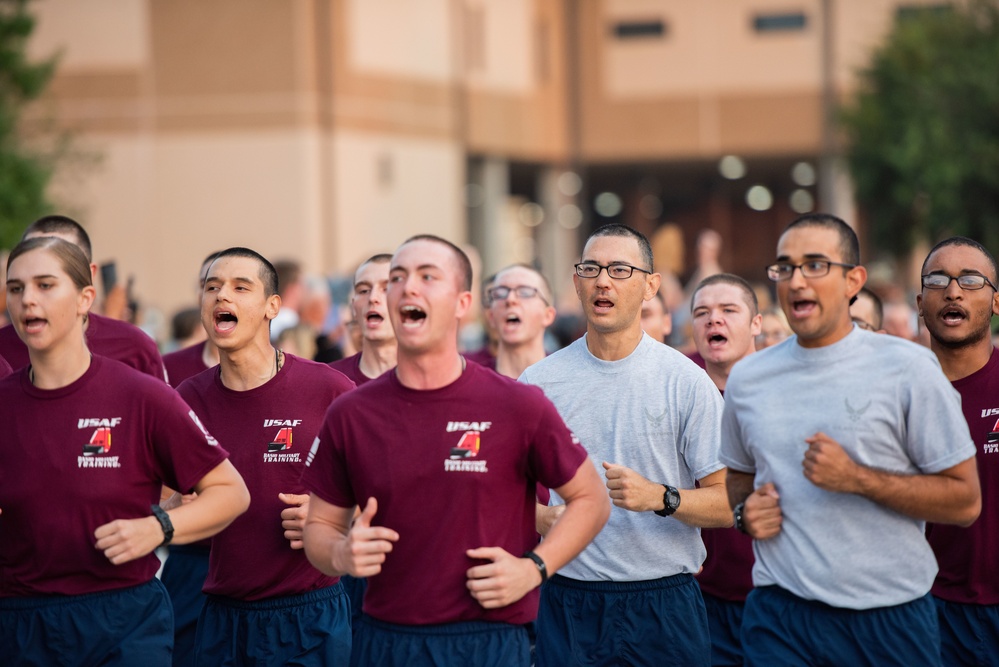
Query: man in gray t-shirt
[[840, 445], [650, 420]]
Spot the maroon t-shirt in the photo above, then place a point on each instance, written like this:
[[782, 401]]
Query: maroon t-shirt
[[107, 337], [452, 469], [268, 431], [727, 571], [184, 363], [5, 368], [351, 367], [78, 457], [968, 556], [483, 357]]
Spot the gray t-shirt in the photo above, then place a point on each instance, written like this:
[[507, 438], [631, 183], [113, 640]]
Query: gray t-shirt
[[655, 412], [886, 401]]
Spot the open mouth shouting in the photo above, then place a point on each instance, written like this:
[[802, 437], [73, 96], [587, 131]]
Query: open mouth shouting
[[373, 319], [33, 325], [602, 305], [717, 341], [953, 316], [801, 308], [412, 317], [225, 321]]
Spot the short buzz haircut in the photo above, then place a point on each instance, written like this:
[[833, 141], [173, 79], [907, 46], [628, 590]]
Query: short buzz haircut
[[61, 224], [615, 229], [288, 272], [268, 274], [546, 287], [849, 244], [970, 243], [461, 259], [748, 293], [879, 309], [380, 258]]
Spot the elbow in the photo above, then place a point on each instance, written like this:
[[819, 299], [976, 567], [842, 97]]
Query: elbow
[[969, 514]]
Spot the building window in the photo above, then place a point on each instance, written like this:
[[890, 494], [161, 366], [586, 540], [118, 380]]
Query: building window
[[785, 22], [649, 29]]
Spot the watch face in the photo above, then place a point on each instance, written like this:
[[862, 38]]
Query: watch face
[[674, 499]]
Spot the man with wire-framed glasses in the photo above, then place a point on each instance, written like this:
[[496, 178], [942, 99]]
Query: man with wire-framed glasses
[[840, 445], [649, 419], [956, 304], [519, 307]]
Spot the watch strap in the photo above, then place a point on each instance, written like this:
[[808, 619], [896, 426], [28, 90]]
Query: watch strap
[[165, 523], [668, 509], [542, 568], [738, 518]]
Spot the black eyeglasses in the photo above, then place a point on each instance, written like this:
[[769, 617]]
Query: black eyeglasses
[[501, 292], [970, 281], [617, 271], [813, 268]]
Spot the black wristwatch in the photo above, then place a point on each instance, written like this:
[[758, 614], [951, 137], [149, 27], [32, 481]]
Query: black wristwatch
[[542, 568], [671, 501], [740, 522], [165, 523]]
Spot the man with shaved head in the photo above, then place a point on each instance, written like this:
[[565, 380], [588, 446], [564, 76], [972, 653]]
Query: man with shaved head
[[444, 458]]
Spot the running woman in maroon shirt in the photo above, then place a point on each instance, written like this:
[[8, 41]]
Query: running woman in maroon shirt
[[89, 443], [105, 336]]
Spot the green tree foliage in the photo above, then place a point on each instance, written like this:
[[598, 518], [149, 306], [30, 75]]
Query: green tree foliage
[[923, 134], [23, 175]]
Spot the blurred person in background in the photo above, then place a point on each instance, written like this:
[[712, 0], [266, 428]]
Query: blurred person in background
[[107, 337], [867, 311], [518, 308], [900, 320], [656, 318], [291, 289], [369, 310], [773, 328]]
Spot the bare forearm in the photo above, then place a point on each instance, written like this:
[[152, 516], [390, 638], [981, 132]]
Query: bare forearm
[[704, 507], [320, 542], [936, 497], [215, 507], [738, 486], [576, 527]]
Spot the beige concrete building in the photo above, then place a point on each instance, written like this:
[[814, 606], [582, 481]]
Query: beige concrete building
[[328, 130]]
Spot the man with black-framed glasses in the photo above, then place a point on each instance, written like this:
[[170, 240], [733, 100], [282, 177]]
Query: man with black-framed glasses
[[840, 445], [519, 307], [649, 419], [957, 302]]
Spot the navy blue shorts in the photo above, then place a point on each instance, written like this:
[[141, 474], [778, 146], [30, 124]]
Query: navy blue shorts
[[779, 628], [656, 622], [184, 575], [127, 626], [478, 643], [724, 625], [308, 629], [969, 633], [354, 588]]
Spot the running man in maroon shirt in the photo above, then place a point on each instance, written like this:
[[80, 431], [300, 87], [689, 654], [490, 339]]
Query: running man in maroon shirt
[[370, 311], [265, 603], [444, 457], [957, 302]]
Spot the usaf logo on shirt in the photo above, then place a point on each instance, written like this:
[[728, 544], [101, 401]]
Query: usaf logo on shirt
[[467, 448], [277, 448], [991, 445], [96, 450]]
